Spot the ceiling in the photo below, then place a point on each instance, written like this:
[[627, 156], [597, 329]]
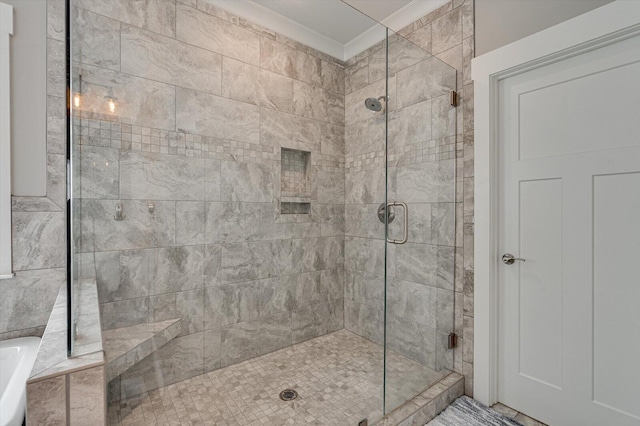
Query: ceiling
[[340, 28]]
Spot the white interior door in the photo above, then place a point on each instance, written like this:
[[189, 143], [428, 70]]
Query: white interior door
[[569, 167]]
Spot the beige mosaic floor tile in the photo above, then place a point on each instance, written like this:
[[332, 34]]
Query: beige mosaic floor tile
[[338, 378]]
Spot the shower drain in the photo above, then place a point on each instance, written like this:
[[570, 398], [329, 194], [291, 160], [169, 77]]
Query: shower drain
[[288, 395]]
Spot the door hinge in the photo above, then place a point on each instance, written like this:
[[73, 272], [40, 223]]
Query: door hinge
[[454, 98], [68, 176], [452, 341]]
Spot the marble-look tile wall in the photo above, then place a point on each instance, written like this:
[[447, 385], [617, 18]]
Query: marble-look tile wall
[[431, 169], [38, 223], [205, 103]]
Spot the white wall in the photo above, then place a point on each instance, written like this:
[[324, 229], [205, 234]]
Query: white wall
[[500, 22], [29, 98]]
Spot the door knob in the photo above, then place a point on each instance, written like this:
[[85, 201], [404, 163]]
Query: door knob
[[509, 259]]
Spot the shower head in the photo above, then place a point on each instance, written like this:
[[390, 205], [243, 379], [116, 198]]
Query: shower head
[[374, 104]]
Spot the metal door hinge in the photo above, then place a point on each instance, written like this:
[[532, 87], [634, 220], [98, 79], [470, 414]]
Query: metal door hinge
[[454, 98], [452, 341]]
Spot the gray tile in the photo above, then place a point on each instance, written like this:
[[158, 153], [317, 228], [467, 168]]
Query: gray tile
[[447, 31], [190, 228], [367, 187], [314, 102], [333, 76], [414, 302], [149, 55], [236, 222], [240, 81], [316, 320], [138, 229], [180, 359], [356, 75], [422, 37], [46, 401], [96, 39], [247, 340], [212, 180], [212, 260], [444, 309], [443, 118], [211, 115], [162, 307], [365, 321], [527, 421], [124, 313], [178, 269], [247, 182], [400, 54], [55, 19], [123, 274], [424, 264], [158, 15], [139, 101], [206, 31], [28, 297], [425, 80], [57, 179], [212, 350], [190, 308], [87, 396], [426, 182], [37, 237], [228, 304], [410, 125], [365, 255], [412, 340], [255, 260], [284, 60], [315, 254], [504, 410], [330, 187], [56, 83], [275, 91], [98, 175], [56, 125]]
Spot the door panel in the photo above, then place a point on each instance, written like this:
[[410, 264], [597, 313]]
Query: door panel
[[616, 243], [569, 153], [541, 203]]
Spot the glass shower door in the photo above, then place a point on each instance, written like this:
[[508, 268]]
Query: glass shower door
[[421, 207]]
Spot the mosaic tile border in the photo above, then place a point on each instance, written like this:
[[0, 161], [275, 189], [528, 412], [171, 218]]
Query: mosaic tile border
[[127, 137]]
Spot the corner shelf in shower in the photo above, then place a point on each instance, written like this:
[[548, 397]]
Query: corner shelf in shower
[[125, 347]]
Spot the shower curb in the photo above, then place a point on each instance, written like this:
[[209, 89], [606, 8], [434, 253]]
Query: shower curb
[[427, 405]]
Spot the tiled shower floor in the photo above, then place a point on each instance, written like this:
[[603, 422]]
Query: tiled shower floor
[[338, 378]]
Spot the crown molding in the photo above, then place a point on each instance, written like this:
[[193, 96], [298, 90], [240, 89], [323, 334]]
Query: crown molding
[[411, 13], [274, 21], [373, 35]]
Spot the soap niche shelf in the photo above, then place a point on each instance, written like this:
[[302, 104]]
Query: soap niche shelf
[[295, 182]]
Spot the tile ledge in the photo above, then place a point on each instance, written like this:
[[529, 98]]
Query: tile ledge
[[125, 347], [438, 396], [52, 359]]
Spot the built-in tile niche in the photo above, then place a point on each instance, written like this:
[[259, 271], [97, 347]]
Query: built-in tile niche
[[295, 182]]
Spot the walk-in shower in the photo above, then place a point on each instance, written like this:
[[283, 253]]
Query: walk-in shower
[[254, 231]]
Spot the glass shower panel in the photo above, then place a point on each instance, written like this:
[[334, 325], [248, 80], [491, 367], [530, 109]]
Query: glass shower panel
[[226, 184], [420, 248]]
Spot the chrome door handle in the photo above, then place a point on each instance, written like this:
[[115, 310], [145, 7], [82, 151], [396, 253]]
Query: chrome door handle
[[405, 232], [510, 259]]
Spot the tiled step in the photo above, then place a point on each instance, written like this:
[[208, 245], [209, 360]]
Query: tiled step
[[124, 347]]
